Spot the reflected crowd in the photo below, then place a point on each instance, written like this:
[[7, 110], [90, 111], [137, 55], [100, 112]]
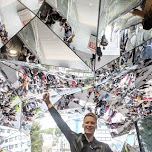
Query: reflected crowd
[[129, 80], [50, 17], [3, 33]]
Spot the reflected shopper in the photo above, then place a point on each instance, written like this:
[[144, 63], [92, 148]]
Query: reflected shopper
[[79, 142]]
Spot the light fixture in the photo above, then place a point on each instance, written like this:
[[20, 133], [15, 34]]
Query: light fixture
[[13, 52], [90, 4]]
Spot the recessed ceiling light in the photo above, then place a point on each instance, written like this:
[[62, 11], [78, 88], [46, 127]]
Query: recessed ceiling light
[[90, 4], [13, 52]]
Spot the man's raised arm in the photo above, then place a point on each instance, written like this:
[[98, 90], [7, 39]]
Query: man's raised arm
[[57, 118]]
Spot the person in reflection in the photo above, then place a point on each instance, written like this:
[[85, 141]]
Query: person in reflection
[[145, 14], [79, 142]]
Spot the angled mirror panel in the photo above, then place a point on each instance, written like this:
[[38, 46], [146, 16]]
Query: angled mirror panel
[[78, 102], [33, 5], [49, 48], [111, 10], [72, 85], [61, 80], [108, 36], [129, 60], [15, 49], [117, 120], [74, 25], [120, 7], [133, 37], [13, 17], [127, 79], [11, 111], [30, 82], [10, 101]]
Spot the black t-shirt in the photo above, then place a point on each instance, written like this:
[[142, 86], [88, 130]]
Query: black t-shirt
[[87, 146]]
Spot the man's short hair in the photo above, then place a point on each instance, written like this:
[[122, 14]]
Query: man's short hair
[[91, 114]]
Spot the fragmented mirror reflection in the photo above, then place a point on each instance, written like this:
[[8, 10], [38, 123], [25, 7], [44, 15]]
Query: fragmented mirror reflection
[[14, 21], [86, 65]]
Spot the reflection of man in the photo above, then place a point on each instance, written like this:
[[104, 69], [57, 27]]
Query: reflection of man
[[79, 142], [146, 14]]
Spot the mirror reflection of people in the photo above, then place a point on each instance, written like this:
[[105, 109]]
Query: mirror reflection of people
[[79, 142], [145, 14]]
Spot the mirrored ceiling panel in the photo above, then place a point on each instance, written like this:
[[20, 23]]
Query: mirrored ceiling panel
[[128, 60], [14, 16], [111, 10], [49, 48], [108, 38], [71, 22], [127, 77], [35, 43], [120, 7], [15, 49], [33, 5], [79, 102], [133, 37], [27, 81], [41, 79], [132, 82]]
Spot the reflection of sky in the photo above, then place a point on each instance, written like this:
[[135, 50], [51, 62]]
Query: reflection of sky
[[130, 140]]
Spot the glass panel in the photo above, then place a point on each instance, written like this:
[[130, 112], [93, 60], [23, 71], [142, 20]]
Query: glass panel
[[32, 44], [128, 77], [62, 6], [145, 131], [17, 50], [13, 21], [28, 32], [66, 27], [33, 5], [73, 15], [111, 10], [120, 7]]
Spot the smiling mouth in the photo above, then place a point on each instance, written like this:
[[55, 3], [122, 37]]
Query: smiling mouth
[[89, 129]]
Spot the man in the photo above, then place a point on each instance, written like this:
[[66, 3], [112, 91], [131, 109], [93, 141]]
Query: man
[[146, 14], [79, 142]]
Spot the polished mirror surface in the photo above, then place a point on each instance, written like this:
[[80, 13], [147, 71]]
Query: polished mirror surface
[[14, 16]]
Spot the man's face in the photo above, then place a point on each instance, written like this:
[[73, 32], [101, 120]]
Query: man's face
[[89, 125]]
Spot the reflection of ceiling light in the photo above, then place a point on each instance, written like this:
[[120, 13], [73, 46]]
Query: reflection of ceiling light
[[13, 52], [90, 4]]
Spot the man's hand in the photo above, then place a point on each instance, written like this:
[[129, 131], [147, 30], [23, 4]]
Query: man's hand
[[46, 98]]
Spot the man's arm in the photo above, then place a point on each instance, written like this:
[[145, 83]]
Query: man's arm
[[137, 12], [58, 119]]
